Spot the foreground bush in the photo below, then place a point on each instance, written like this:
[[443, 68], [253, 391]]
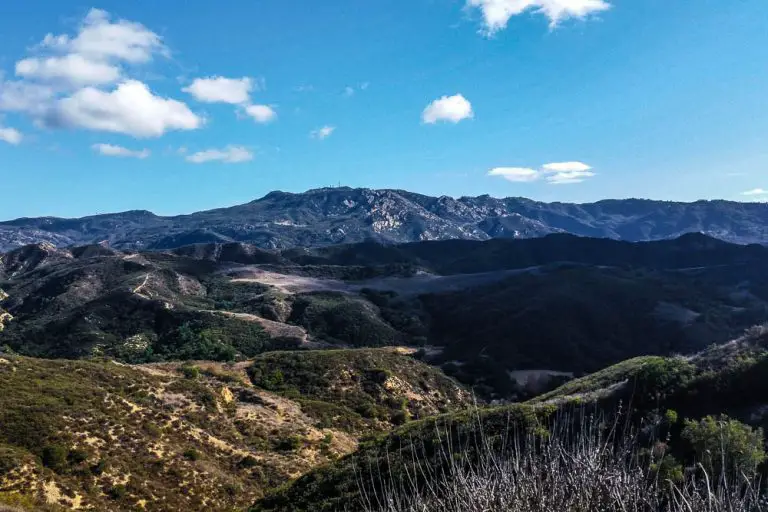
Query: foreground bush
[[581, 466]]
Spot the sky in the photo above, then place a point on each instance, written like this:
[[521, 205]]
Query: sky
[[147, 105]]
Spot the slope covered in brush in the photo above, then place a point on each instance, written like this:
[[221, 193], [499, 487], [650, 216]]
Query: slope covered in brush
[[199, 436], [665, 399]]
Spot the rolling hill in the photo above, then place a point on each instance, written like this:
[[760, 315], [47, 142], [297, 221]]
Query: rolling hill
[[482, 310]]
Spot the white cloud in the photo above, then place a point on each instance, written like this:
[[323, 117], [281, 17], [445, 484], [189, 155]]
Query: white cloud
[[569, 177], [322, 133], [755, 192], [304, 88], [566, 167], [261, 113], [11, 136], [62, 83], [558, 173], [516, 174], [131, 109], [20, 96], [228, 155], [497, 13], [119, 151], [72, 69], [448, 108], [101, 39], [565, 173], [349, 91], [218, 89]]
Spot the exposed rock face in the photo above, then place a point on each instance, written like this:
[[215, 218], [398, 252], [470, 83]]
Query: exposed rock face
[[345, 215]]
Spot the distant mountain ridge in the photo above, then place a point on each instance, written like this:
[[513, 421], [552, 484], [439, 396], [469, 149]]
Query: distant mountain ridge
[[330, 216]]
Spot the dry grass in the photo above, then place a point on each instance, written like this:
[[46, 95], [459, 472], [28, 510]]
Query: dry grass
[[580, 466]]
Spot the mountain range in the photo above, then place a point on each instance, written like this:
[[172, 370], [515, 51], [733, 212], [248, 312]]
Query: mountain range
[[329, 216]]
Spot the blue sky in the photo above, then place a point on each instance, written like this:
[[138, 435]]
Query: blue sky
[[144, 105]]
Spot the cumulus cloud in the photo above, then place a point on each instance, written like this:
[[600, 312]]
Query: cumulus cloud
[[72, 69], [515, 174], [10, 135], [261, 113], [556, 173], [449, 109], [322, 133], [755, 192], [119, 151], [228, 155], [101, 39], [131, 109], [93, 55], [219, 89], [68, 81], [497, 13]]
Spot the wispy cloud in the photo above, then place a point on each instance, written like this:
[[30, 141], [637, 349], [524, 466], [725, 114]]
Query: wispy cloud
[[119, 151], [322, 133], [351, 90], [228, 155], [515, 174], [755, 192], [556, 173], [11, 136], [497, 13], [450, 109]]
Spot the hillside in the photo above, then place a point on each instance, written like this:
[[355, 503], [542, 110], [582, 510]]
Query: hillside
[[659, 394], [201, 436], [727, 378], [331, 216], [482, 310]]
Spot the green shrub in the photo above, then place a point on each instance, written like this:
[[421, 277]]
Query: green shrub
[[9, 460], [55, 457], [98, 468], [725, 445], [190, 372], [77, 456], [249, 461], [291, 443], [191, 454], [117, 492], [399, 417]]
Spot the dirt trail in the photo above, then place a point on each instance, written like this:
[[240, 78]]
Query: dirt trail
[[143, 285]]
